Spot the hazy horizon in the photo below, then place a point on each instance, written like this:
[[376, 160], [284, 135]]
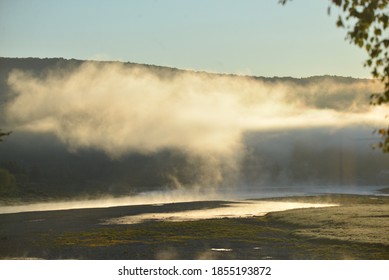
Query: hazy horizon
[[191, 70]]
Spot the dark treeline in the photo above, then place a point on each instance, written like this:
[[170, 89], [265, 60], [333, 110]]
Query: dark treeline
[[40, 165]]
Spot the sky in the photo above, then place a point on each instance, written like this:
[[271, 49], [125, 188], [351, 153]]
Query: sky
[[247, 37]]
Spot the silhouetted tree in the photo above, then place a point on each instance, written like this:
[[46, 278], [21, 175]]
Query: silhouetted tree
[[2, 134], [366, 23]]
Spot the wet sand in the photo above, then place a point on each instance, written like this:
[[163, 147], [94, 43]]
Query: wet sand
[[355, 229]]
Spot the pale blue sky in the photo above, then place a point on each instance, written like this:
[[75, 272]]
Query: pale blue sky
[[258, 37]]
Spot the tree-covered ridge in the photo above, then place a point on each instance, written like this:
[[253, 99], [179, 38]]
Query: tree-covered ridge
[[350, 93]]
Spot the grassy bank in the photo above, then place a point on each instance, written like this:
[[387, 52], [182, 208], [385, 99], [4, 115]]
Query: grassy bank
[[356, 229]]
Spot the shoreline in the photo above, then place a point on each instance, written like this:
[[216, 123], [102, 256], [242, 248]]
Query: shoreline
[[384, 190], [30, 204]]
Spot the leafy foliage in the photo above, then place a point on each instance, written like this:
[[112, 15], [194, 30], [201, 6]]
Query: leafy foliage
[[384, 144], [371, 22], [366, 23]]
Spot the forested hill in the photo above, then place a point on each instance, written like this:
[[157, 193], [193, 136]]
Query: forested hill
[[42, 65], [155, 152]]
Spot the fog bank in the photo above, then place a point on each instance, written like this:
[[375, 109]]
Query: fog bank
[[181, 128]]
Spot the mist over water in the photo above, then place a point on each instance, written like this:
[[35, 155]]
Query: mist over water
[[120, 110], [222, 132], [155, 198]]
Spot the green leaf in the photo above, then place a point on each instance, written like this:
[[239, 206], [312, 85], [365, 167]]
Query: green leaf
[[339, 23], [337, 2], [377, 32]]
